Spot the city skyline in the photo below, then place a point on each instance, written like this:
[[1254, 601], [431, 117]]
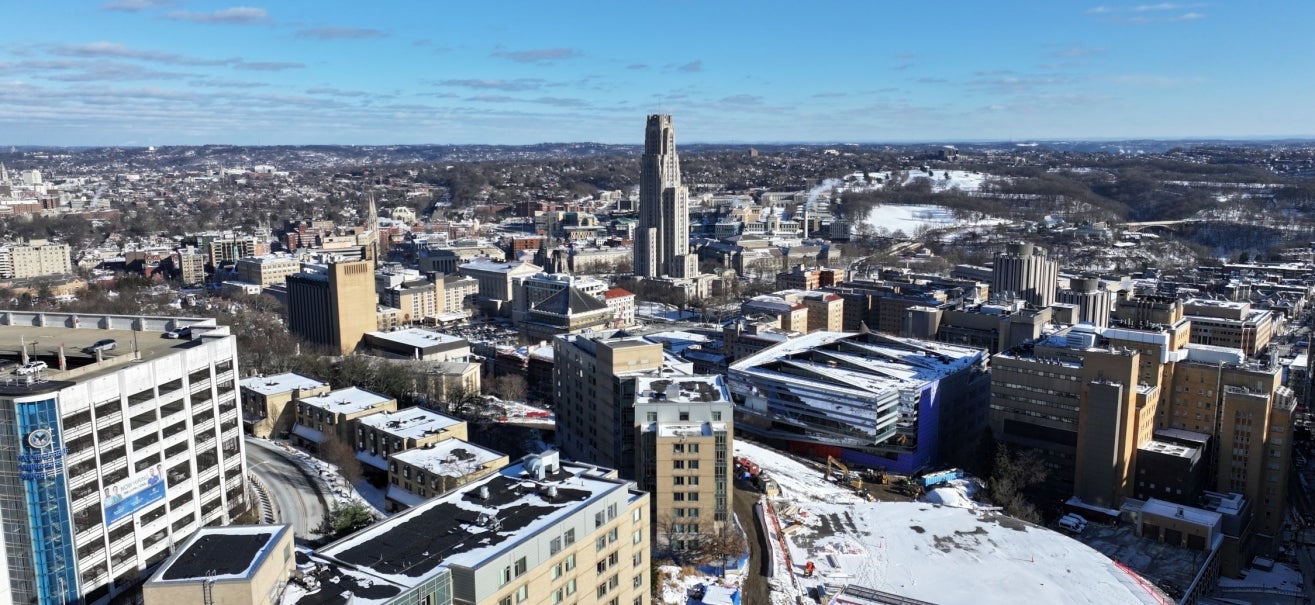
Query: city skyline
[[162, 72]]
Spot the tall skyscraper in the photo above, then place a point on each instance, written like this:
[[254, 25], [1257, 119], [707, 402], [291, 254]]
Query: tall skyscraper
[[1023, 271], [662, 240], [333, 305]]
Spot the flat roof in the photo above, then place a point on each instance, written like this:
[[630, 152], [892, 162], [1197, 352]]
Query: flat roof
[[410, 423], [449, 458], [347, 401], [43, 343], [464, 528], [658, 388], [280, 383], [419, 338], [221, 553]]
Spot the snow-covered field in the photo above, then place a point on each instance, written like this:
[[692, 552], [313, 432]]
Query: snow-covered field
[[910, 219], [922, 550]]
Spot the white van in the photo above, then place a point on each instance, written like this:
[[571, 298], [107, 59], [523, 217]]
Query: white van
[[1073, 523]]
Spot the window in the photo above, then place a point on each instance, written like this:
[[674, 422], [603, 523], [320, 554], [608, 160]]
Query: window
[[557, 596], [600, 544], [570, 563], [569, 536], [614, 558], [678, 448], [504, 601], [602, 590], [570, 587], [693, 448], [522, 594], [651, 416], [678, 464], [716, 415], [556, 571], [611, 511], [555, 546], [520, 567], [684, 416], [678, 496], [638, 536], [506, 576], [637, 515], [599, 519], [612, 534]]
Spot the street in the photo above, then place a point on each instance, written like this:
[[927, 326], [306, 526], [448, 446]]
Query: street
[[298, 499]]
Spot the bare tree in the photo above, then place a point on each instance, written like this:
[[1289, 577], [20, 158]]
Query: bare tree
[[508, 387], [723, 545], [339, 453]]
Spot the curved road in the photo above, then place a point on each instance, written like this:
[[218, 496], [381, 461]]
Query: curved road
[[297, 497]]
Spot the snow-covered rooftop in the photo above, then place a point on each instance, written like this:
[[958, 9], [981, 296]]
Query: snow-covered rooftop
[[419, 338], [449, 458], [280, 383], [350, 400], [410, 423]]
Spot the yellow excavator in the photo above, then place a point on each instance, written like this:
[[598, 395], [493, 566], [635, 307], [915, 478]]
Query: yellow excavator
[[843, 477]]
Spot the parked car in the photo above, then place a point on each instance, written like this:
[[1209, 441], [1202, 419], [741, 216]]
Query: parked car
[[31, 367], [179, 333], [104, 344]]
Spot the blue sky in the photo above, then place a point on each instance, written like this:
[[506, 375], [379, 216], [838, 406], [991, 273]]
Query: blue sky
[[158, 72]]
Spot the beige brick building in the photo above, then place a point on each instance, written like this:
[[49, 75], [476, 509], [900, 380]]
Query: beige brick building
[[266, 409]]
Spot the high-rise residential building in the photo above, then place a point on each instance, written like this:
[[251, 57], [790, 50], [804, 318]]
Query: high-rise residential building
[[662, 239], [1094, 302], [1023, 271], [36, 258], [333, 305], [191, 265], [229, 249], [111, 456], [621, 398]]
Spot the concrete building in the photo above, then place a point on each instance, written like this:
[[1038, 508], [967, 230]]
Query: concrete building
[[1230, 324], [662, 238], [446, 260], [112, 457], [234, 565], [789, 316], [495, 282], [191, 266], [458, 294], [36, 258], [1023, 271], [1093, 301], [333, 416], [230, 249], [265, 402], [540, 531], [334, 306], [266, 270], [871, 399]]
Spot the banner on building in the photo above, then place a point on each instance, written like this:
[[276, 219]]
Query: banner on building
[[129, 496]]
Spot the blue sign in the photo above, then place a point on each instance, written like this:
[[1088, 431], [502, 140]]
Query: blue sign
[[130, 496]]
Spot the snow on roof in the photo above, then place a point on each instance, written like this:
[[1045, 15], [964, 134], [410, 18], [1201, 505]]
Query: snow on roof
[[419, 338], [221, 553], [347, 401], [1192, 514], [449, 458], [463, 528], [934, 553], [410, 423], [279, 383]]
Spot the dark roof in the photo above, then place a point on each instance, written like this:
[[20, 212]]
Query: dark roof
[[338, 588], [217, 555], [414, 545], [570, 301]]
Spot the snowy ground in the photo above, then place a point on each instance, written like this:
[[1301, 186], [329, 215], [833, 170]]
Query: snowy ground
[[910, 219], [922, 550], [341, 492]]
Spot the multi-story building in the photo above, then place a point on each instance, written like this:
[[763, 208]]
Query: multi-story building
[[547, 304], [1091, 399], [267, 270], [191, 265], [1023, 271], [112, 457], [538, 532], [458, 293], [495, 281], [799, 278], [333, 416], [871, 399], [1093, 301], [419, 344], [381, 435], [265, 402], [622, 304], [680, 419], [662, 239], [447, 260], [1229, 324], [230, 249], [624, 399], [417, 474], [790, 316], [37, 258], [333, 305], [417, 300]]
